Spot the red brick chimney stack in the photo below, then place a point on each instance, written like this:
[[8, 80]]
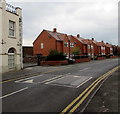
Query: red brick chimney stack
[[78, 35], [54, 30]]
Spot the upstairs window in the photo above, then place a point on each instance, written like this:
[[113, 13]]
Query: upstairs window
[[66, 44], [88, 46], [71, 44], [91, 46], [42, 45], [11, 28]]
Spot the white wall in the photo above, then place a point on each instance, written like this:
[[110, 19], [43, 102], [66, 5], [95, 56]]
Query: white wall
[[10, 42], [0, 37]]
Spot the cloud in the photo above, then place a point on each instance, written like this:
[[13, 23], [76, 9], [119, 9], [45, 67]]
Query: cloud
[[90, 18]]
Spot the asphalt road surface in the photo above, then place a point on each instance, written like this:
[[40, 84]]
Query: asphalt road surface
[[54, 90]]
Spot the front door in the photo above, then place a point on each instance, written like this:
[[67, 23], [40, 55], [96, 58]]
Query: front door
[[11, 59]]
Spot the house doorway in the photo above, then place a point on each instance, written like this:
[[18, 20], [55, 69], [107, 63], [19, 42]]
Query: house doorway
[[11, 58]]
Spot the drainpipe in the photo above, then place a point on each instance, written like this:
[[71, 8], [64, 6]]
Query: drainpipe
[[69, 48]]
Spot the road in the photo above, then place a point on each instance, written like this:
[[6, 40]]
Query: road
[[53, 90]]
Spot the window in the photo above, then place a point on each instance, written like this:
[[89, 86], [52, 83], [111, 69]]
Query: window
[[111, 49], [42, 45], [88, 46], [11, 58], [88, 54], [71, 44], [103, 48], [66, 44], [91, 46], [11, 29]]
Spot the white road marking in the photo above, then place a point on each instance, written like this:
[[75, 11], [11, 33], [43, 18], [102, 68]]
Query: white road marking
[[29, 68], [13, 93], [83, 69], [27, 78], [84, 82], [54, 80], [77, 76], [51, 79], [62, 85], [28, 81]]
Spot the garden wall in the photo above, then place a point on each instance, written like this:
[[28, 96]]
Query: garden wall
[[101, 58], [82, 60], [53, 63]]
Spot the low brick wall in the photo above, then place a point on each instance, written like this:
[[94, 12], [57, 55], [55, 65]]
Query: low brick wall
[[113, 57], [101, 58], [53, 63], [82, 60]]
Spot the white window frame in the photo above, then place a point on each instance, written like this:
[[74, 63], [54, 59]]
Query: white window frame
[[66, 44], [91, 46], [12, 29], [71, 44], [42, 45], [111, 49], [88, 46]]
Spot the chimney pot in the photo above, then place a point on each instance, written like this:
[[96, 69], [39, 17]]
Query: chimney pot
[[92, 38], [54, 30], [78, 35]]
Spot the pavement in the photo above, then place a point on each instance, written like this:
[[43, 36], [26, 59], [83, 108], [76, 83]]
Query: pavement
[[106, 98], [51, 88]]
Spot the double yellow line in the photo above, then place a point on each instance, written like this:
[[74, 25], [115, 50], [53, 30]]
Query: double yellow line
[[79, 100]]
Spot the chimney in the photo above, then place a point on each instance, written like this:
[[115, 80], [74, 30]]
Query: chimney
[[93, 39], [54, 30], [107, 43], [78, 35], [102, 41]]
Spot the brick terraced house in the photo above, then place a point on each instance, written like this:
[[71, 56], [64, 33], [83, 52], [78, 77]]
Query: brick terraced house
[[53, 40], [79, 43]]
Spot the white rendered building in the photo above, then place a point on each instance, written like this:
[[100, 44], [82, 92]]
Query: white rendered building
[[10, 37]]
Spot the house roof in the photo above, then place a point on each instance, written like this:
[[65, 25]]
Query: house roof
[[58, 36], [95, 42], [79, 39], [105, 44], [108, 45], [102, 44]]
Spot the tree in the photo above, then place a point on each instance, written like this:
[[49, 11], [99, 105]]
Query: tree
[[76, 51], [55, 55]]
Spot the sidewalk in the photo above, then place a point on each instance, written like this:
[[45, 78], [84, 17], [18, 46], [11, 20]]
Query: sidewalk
[[106, 99], [33, 70]]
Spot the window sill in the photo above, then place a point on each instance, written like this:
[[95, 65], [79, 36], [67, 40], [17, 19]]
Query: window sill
[[12, 37]]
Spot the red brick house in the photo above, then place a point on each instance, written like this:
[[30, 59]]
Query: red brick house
[[79, 43], [97, 47], [106, 48], [109, 49], [52, 40], [90, 48]]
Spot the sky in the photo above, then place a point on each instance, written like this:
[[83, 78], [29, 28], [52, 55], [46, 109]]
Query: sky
[[90, 18]]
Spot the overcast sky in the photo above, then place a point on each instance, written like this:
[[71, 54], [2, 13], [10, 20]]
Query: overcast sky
[[89, 18]]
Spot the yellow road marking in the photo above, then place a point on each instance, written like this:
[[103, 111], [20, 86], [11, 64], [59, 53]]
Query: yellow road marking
[[93, 84], [32, 75]]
